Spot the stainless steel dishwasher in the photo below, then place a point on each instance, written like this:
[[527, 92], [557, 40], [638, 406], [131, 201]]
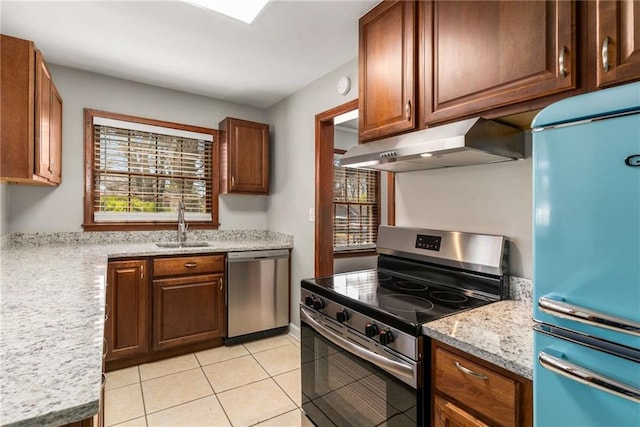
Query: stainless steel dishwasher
[[257, 294]]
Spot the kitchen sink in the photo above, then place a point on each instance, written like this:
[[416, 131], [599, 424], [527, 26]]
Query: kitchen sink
[[181, 244]]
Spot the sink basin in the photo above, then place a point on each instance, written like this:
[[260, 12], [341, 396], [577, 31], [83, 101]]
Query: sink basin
[[181, 244]]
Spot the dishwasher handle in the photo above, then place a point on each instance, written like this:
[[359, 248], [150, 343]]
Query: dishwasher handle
[[257, 255]]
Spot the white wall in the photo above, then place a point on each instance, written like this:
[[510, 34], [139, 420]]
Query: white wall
[[490, 199], [293, 175], [33, 209], [4, 209]]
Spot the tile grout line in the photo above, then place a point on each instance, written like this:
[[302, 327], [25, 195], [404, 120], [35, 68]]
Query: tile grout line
[[215, 394]]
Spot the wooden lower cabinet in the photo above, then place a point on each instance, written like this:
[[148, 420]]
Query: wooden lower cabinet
[[187, 309], [447, 414], [469, 391], [127, 326], [160, 307]]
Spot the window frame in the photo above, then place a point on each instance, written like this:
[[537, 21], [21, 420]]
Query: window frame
[[355, 252], [89, 224]]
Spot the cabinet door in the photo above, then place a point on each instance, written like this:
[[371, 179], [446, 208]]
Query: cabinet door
[[618, 38], [247, 157], [479, 55], [55, 136], [43, 119], [126, 329], [386, 70], [447, 414], [187, 310]]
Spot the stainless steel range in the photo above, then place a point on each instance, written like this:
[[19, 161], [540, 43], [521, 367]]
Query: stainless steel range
[[364, 359]]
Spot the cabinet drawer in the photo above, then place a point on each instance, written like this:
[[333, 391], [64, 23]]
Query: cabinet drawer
[[476, 387], [176, 266]]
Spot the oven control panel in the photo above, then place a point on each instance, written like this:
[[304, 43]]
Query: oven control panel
[[380, 334], [431, 243]]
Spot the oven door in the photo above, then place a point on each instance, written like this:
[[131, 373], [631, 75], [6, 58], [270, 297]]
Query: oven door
[[344, 383]]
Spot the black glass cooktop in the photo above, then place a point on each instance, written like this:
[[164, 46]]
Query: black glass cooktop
[[406, 300]]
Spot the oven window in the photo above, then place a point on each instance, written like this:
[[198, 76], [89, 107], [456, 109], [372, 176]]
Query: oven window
[[341, 389]]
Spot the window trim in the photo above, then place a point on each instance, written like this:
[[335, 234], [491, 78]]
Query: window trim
[[348, 253], [88, 221]]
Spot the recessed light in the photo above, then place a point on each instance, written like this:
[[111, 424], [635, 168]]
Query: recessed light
[[426, 155], [242, 10]]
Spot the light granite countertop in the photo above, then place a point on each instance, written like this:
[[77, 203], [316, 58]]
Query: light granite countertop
[[500, 333], [52, 295]]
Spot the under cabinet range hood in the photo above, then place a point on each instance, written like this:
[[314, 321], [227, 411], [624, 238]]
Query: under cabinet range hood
[[468, 142]]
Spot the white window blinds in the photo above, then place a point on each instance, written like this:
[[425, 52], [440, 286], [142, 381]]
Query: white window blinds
[[141, 172]]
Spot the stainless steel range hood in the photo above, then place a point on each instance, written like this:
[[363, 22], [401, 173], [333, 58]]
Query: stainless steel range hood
[[468, 142]]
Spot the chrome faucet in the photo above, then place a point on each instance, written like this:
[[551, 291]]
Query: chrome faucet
[[182, 225]]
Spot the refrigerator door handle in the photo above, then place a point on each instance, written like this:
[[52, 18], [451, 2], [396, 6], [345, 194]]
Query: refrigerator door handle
[[587, 316], [587, 377]]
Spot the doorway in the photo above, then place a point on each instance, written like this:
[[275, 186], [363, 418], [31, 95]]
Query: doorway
[[324, 207]]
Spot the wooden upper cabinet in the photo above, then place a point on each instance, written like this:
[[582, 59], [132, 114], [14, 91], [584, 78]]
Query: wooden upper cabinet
[[618, 41], [387, 70], [244, 157], [479, 55], [48, 149], [31, 132]]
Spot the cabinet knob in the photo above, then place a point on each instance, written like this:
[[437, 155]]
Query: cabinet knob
[[605, 54], [407, 110], [220, 281], [561, 66]]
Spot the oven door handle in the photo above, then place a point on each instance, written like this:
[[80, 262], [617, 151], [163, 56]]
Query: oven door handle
[[397, 368]]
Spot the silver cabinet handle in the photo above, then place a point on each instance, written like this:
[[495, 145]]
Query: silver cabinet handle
[[220, 281], [588, 377], [587, 316], [105, 347], [190, 264], [407, 110], [233, 181], [106, 312], [141, 271], [605, 53], [397, 368], [563, 69], [470, 372]]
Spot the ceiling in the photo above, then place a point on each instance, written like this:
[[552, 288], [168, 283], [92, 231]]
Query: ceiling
[[180, 46]]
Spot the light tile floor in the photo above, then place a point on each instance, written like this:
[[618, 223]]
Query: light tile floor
[[247, 384]]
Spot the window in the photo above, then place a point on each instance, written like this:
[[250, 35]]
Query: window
[[356, 207], [138, 170]]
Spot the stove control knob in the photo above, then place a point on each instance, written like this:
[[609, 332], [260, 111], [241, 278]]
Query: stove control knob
[[308, 300], [342, 316], [318, 304], [370, 329], [386, 337]]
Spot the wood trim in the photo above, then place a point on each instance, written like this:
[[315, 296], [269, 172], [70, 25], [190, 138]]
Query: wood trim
[[88, 222], [324, 187], [391, 198], [352, 254]]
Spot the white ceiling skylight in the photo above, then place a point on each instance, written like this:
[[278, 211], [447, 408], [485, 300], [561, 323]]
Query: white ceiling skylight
[[242, 10]]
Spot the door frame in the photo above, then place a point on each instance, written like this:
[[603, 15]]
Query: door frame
[[324, 188]]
